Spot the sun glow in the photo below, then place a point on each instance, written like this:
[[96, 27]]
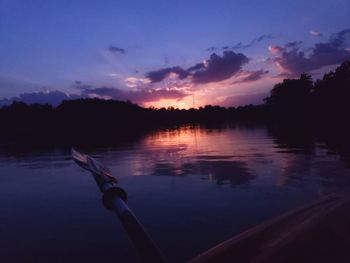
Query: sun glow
[[185, 103]]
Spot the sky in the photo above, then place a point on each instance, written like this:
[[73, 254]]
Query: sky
[[165, 53]]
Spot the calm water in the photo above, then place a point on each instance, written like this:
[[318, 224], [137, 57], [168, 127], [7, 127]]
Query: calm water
[[192, 188]]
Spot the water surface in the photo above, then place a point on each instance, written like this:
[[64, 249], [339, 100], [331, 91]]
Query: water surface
[[191, 187]]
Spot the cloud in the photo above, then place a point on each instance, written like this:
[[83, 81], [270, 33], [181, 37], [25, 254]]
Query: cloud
[[249, 76], [214, 69], [137, 96], [275, 49], [340, 38], [218, 68], [263, 37], [159, 75], [115, 49], [315, 33], [293, 44], [240, 45], [133, 82], [80, 85], [49, 97], [292, 61]]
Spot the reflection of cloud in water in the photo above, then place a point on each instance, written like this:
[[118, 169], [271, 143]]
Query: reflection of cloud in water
[[223, 172], [168, 169], [233, 172], [215, 157]]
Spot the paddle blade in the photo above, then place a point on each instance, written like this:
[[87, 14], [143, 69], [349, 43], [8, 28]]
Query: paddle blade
[[80, 159], [91, 164]]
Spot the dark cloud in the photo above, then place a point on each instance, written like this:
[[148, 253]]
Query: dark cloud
[[51, 97], [340, 38], [293, 61], [159, 75], [80, 85], [240, 45], [198, 66], [115, 49], [137, 96], [293, 44], [216, 68], [263, 37], [248, 76]]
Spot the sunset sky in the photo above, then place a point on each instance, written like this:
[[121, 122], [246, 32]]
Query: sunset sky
[[165, 53]]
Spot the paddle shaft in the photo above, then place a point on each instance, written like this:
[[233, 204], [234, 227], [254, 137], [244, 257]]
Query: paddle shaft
[[143, 243], [114, 199]]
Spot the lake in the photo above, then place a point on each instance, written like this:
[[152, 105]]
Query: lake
[[191, 187]]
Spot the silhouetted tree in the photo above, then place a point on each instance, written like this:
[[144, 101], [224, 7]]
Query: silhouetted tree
[[291, 97], [332, 93]]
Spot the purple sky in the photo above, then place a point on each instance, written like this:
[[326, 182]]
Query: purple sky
[[165, 53]]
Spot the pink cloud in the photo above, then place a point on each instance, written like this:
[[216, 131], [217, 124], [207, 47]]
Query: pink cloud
[[315, 33], [275, 49]]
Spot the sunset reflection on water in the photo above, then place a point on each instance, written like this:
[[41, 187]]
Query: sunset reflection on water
[[229, 156]]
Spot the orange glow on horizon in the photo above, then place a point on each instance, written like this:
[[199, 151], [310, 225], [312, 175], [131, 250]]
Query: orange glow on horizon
[[185, 103]]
